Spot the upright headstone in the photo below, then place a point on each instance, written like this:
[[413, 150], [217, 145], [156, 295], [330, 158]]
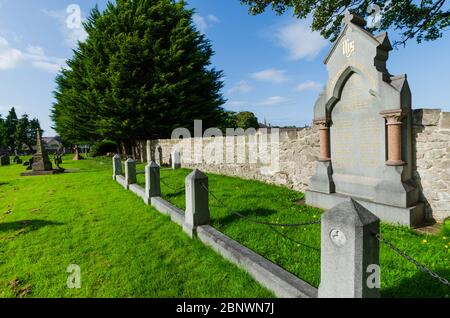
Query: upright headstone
[[152, 181], [197, 200], [176, 159], [159, 156], [349, 262], [364, 119], [4, 160]]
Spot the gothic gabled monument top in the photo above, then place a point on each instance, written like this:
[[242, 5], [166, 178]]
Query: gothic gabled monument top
[[364, 118]]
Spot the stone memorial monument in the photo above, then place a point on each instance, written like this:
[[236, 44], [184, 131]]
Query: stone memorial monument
[[40, 163], [4, 160], [364, 119]]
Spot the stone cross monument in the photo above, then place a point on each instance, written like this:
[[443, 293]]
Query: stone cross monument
[[364, 119]]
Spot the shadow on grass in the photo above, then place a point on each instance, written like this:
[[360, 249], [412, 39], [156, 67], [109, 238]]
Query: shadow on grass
[[27, 225], [421, 285], [255, 214], [173, 194]]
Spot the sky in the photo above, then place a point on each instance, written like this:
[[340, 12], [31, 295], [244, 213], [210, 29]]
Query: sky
[[273, 65]]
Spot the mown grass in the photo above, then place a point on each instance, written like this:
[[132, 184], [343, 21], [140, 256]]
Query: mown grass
[[298, 249], [124, 248]]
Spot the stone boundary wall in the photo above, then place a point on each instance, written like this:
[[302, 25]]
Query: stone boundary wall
[[299, 151]]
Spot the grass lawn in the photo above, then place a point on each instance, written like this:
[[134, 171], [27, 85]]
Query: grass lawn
[[298, 249], [124, 248]]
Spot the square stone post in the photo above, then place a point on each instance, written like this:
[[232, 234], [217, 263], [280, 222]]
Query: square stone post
[[197, 200], [176, 159], [130, 172], [152, 181], [117, 166], [349, 252]]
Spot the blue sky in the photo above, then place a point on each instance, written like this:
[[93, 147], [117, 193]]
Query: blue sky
[[273, 65]]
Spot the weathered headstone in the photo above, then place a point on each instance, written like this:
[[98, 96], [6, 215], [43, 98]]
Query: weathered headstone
[[364, 118], [159, 156], [350, 264], [197, 200], [4, 160], [77, 155], [175, 159], [40, 163]]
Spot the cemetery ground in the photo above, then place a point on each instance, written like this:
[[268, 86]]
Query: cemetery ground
[[127, 249]]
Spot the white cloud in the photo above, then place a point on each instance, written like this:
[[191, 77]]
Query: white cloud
[[72, 35], [202, 23], [213, 18], [236, 104], [38, 59], [241, 87], [9, 56], [273, 101], [34, 56], [309, 86], [271, 75], [300, 42]]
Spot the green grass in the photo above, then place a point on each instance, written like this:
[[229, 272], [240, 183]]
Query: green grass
[[124, 248], [298, 249]]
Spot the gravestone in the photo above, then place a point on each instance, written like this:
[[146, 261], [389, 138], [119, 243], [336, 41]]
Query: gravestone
[[364, 119], [175, 158], [77, 156], [40, 163], [4, 160]]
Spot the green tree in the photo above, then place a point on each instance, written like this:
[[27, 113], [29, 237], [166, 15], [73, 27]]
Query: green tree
[[246, 120], [143, 71], [422, 20], [10, 130], [2, 133]]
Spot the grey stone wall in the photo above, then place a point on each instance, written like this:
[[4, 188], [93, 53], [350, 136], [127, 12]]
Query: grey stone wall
[[431, 129], [299, 151]]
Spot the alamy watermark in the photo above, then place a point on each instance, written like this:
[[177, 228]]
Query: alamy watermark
[[73, 20], [74, 278], [238, 146]]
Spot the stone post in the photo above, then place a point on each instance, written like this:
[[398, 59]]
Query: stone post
[[130, 171], [152, 181], [197, 198], [176, 159], [324, 133], [394, 136], [117, 166], [349, 252]]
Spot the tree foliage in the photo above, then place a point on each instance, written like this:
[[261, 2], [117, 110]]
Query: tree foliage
[[18, 133], [143, 71], [422, 20]]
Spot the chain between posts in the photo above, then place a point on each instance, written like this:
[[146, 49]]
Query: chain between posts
[[171, 187], [412, 260], [256, 221]]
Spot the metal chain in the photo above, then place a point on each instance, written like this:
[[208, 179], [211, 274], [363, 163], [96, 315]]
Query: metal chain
[[256, 221], [412, 260], [171, 187]]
